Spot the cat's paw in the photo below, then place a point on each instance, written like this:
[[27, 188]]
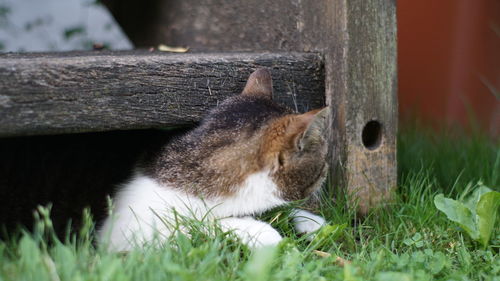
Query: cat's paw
[[252, 232], [306, 222], [267, 238]]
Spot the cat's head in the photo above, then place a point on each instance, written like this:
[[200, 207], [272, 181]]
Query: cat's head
[[294, 146], [250, 135]]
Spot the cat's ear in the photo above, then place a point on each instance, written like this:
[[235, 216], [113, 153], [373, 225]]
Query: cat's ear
[[314, 126], [259, 84]]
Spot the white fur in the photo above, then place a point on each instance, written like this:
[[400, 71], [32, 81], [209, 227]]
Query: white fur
[[143, 211], [307, 222], [257, 194], [252, 232]]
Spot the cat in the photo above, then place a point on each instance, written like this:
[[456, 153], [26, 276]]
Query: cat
[[247, 156]]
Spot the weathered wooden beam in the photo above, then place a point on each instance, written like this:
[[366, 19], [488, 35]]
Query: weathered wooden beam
[[52, 93]]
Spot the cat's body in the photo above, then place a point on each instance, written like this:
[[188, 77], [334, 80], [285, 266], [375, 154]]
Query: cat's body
[[248, 155]]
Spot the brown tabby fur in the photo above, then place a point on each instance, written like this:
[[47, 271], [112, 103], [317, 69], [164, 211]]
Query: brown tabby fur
[[246, 134]]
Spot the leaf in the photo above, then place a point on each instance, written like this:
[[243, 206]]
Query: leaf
[[437, 263], [327, 233], [417, 237], [418, 256], [486, 212], [408, 242], [165, 48], [419, 244], [472, 201], [459, 213], [331, 231]]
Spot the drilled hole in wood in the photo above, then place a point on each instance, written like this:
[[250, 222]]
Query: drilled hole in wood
[[372, 135]]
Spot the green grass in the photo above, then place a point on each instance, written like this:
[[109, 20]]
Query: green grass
[[409, 240]]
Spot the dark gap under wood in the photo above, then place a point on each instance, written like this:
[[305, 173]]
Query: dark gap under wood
[[71, 172]]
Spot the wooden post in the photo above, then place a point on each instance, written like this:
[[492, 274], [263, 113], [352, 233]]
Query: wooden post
[[358, 40]]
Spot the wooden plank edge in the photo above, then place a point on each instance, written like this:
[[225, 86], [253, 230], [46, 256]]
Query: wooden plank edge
[[73, 92]]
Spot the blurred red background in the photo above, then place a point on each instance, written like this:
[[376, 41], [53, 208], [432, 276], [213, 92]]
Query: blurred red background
[[449, 62]]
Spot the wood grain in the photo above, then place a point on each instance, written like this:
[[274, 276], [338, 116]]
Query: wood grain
[[53, 93]]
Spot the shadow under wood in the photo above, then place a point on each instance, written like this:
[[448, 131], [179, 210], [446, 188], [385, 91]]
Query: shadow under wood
[[70, 171]]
